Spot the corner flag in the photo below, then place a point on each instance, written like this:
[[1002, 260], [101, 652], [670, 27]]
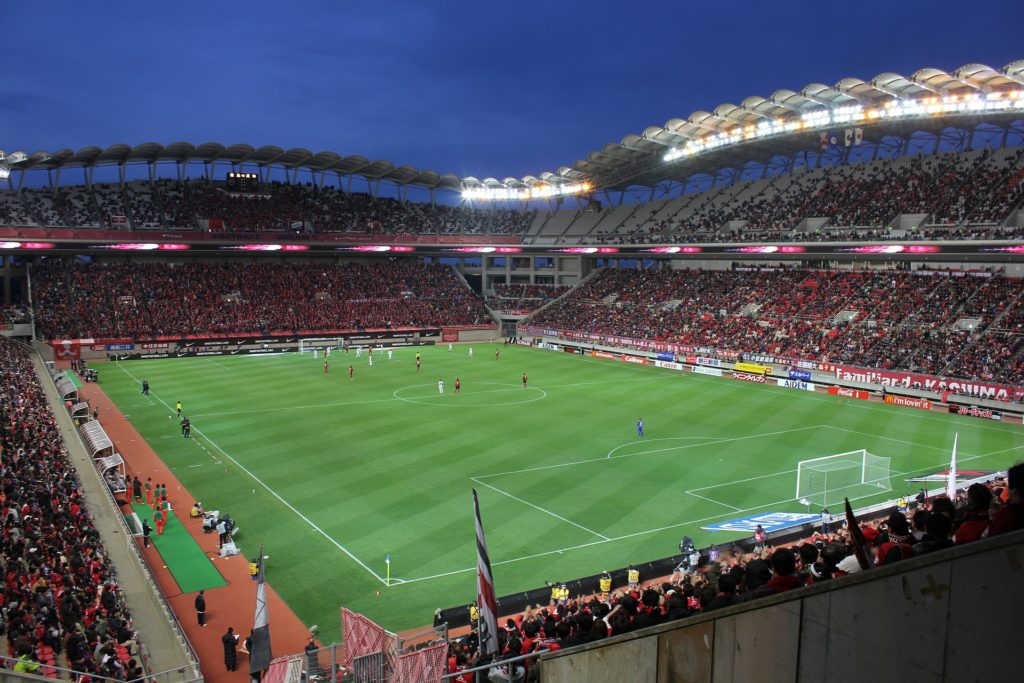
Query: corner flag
[[951, 478], [487, 624], [259, 651]]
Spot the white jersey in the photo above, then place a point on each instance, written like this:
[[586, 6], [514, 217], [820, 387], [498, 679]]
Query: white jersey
[[314, 354], [389, 354], [359, 351], [371, 360], [440, 386], [449, 346], [470, 351]]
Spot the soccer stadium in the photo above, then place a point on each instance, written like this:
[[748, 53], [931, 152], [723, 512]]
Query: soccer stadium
[[717, 402]]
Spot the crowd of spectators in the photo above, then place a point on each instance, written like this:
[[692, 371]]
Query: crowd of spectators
[[60, 604], [82, 300], [961, 196], [716, 578], [958, 195], [890, 319], [14, 314], [276, 207]]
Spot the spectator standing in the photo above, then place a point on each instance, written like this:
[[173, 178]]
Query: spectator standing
[[759, 537], [230, 641], [975, 520], [1010, 517], [201, 608]]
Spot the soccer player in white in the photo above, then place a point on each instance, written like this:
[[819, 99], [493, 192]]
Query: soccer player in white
[[389, 354], [449, 346], [359, 351], [470, 351], [440, 386], [371, 360], [314, 354]]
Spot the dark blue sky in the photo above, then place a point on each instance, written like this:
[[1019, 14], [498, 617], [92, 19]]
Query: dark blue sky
[[482, 88]]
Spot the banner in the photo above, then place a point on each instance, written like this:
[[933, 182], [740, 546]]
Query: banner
[[665, 355], [603, 354], [795, 384], [710, 362], [701, 370], [634, 359], [908, 402], [66, 349], [974, 411], [668, 365], [769, 521], [754, 368], [449, 335], [747, 377], [913, 380], [850, 393], [800, 374]]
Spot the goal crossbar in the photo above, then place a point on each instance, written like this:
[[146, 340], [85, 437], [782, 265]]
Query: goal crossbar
[[816, 478]]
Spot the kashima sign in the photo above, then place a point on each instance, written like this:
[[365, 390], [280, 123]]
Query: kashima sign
[[917, 381]]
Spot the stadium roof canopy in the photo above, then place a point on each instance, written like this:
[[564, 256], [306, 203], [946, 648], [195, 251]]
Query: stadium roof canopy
[[705, 141]]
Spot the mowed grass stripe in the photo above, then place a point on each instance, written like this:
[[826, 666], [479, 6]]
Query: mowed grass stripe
[[385, 476]]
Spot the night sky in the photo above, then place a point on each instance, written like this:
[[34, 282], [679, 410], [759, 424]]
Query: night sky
[[482, 88]]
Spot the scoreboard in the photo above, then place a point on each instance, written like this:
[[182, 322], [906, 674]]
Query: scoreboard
[[243, 182]]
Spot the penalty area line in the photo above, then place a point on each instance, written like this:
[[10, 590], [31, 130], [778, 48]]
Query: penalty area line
[[537, 507]]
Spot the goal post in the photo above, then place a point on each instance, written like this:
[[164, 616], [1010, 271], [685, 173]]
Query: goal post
[[827, 480], [311, 344]]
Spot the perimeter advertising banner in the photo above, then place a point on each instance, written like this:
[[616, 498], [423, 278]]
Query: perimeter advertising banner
[[748, 377], [984, 413], [913, 380], [850, 393], [754, 368], [908, 402]]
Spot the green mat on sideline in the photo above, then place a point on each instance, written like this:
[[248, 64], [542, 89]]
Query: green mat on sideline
[[187, 562]]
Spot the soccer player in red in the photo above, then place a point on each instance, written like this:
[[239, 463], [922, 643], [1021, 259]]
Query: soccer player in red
[[458, 384], [351, 372], [497, 354], [524, 380], [325, 367]]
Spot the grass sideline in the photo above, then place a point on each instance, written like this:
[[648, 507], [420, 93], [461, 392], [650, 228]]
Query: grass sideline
[[334, 474]]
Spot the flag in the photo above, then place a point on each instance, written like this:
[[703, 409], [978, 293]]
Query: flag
[[488, 620], [860, 544], [259, 651], [951, 477], [848, 137], [858, 135], [823, 140]]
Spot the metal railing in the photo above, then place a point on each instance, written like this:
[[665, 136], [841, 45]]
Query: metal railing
[[182, 674]]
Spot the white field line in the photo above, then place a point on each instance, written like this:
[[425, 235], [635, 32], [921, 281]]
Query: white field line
[[645, 532], [716, 502], [639, 453], [271, 491], [537, 507], [219, 365]]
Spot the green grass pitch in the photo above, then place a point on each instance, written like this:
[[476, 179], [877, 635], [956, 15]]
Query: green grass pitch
[[333, 474]]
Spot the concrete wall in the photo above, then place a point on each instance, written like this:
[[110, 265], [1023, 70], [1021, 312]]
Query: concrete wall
[[949, 616]]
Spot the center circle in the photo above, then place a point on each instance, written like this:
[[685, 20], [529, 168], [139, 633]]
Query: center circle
[[450, 399]]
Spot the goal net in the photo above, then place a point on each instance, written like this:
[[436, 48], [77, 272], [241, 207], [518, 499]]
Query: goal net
[[856, 474], [312, 344]]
